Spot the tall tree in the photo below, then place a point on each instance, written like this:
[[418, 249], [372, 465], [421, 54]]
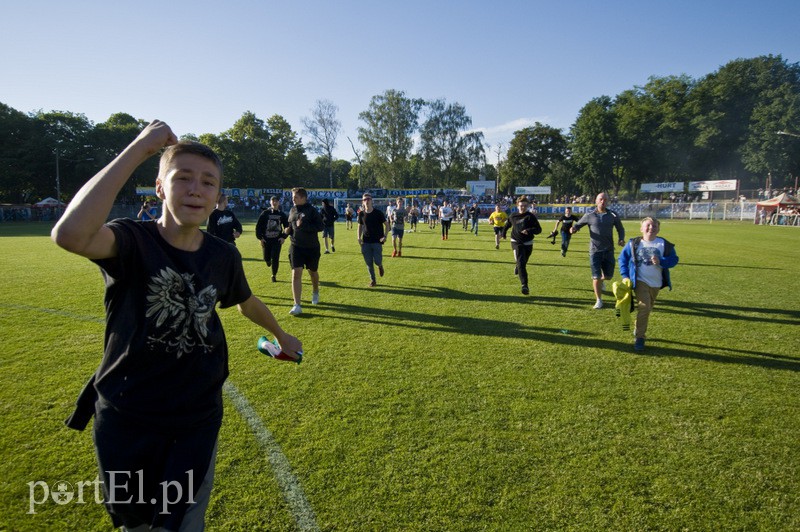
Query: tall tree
[[391, 121], [532, 152], [20, 178], [323, 127], [68, 137], [447, 145], [723, 106], [595, 146]]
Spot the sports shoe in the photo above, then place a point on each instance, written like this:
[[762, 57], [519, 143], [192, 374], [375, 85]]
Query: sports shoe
[[516, 270], [333, 249], [373, 283], [394, 254], [296, 310], [525, 290], [497, 246], [315, 298], [638, 344], [327, 252], [598, 304], [563, 253], [274, 280], [380, 270], [399, 253]]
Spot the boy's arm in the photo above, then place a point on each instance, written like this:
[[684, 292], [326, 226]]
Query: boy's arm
[[81, 229], [257, 312], [624, 261]]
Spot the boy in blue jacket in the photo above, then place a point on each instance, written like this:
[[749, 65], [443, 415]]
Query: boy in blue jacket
[[646, 261]]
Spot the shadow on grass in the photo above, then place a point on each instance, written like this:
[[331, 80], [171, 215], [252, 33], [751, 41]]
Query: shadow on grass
[[729, 266], [710, 310], [571, 338]]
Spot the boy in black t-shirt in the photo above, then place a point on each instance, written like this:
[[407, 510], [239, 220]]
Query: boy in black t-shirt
[[566, 221], [157, 394]]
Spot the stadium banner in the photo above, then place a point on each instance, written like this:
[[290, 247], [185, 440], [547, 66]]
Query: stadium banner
[[325, 193], [478, 188], [712, 186], [655, 188], [391, 192], [532, 191], [145, 191]]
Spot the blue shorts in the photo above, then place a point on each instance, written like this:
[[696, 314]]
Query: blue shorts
[[602, 263], [397, 232], [327, 231]]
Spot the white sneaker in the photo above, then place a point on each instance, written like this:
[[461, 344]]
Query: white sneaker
[[598, 304], [315, 298], [295, 310]]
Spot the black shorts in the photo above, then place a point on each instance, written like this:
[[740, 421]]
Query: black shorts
[[304, 258]]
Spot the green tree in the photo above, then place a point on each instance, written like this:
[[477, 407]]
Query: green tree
[[723, 106], [67, 137], [766, 151], [532, 153], [595, 146], [292, 164], [111, 137], [450, 150], [391, 121], [20, 171]]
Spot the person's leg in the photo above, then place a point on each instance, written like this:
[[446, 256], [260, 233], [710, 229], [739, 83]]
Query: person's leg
[[314, 280], [331, 230], [275, 250], [266, 248], [399, 246], [297, 284], [366, 252], [377, 255], [522, 264], [646, 300], [595, 263], [194, 518], [325, 239]]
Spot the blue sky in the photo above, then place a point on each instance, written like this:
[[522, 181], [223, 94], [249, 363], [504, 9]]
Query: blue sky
[[199, 65]]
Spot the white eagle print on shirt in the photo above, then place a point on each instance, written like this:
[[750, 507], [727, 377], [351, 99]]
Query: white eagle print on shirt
[[179, 309]]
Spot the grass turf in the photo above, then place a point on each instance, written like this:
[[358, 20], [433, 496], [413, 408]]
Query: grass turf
[[443, 399]]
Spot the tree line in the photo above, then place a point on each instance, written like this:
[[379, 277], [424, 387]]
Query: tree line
[[740, 122]]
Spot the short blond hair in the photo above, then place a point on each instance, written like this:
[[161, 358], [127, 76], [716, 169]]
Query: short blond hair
[[654, 221]]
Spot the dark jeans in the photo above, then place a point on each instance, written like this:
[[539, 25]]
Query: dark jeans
[[521, 255], [373, 256]]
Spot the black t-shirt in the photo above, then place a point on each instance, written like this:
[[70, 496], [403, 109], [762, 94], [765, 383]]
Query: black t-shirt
[[373, 226], [165, 356], [567, 221], [270, 224], [222, 224]]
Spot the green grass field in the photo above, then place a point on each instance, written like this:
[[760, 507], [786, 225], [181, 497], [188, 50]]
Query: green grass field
[[443, 399]]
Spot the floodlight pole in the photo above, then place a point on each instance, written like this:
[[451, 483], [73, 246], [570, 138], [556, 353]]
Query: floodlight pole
[[58, 185]]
